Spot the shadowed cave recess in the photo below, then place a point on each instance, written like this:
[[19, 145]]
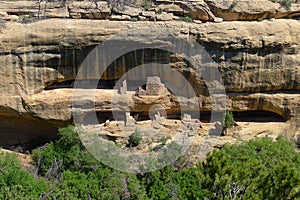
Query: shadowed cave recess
[[23, 134], [205, 117], [27, 134]]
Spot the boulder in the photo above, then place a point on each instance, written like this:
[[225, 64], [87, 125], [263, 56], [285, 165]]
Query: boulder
[[171, 8], [252, 9], [198, 10], [127, 10], [218, 20], [164, 16], [149, 14]]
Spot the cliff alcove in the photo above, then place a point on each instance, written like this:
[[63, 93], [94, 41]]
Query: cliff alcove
[[21, 134], [257, 116], [255, 47]]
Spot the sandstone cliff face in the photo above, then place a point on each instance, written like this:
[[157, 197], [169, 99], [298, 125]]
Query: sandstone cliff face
[[253, 10], [154, 10], [267, 53], [259, 61], [253, 57]]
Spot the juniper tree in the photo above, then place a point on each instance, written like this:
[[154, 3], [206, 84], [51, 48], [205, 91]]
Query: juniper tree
[[227, 121]]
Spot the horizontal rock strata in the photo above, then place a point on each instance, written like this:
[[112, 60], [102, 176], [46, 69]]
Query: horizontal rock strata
[[259, 63]]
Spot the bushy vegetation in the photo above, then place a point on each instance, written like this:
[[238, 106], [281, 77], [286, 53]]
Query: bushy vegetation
[[227, 121], [186, 19], [135, 138], [233, 4], [76, 174], [284, 3], [147, 5], [258, 169], [16, 183]]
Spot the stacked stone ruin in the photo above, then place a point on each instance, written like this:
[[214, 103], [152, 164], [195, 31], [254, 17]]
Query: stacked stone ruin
[[158, 119], [129, 120], [190, 123], [123, 88], [154, 87]]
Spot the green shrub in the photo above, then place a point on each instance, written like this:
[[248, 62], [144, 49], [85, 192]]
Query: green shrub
[[67, 150], [258, 169], [30, 15], [260, 19], [80, 175], [233, 4], [186, 19], [227, 121], [135, 138], [134, 19], [147, 5], [286, 3], [16, 183]]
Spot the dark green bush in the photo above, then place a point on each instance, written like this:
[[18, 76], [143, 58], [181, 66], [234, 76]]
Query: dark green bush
[[258, 169], [147, 5], [186, 19], [16, 183], [233, 4], [286, 3], [227, 121], [135, 138], [80, 175]]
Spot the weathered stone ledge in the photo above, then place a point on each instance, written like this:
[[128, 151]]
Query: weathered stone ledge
[[251, 56], [153, 10]]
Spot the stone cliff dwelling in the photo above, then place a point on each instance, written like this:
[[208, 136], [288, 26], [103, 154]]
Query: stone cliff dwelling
[[258, 61], [139, 111], [150, 99]]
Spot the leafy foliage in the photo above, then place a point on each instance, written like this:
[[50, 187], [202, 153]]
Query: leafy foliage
[[135, 138], [258, 169], [186, 19], [80, 175], [284, 3], [233, 4], [16, 183], [227, 121], [147, 5], [168, 183]]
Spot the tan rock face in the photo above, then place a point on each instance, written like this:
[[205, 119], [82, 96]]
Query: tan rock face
[[164, 16], [208, 10], [233, 10], [259, 63], [156, 136], [198, 10], [127, 10], [253, 57]]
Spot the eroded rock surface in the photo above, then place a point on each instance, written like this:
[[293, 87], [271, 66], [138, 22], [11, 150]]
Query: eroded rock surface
[[199, 142], [249, 10], [253, 57], [204, 10], [258, 61]]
